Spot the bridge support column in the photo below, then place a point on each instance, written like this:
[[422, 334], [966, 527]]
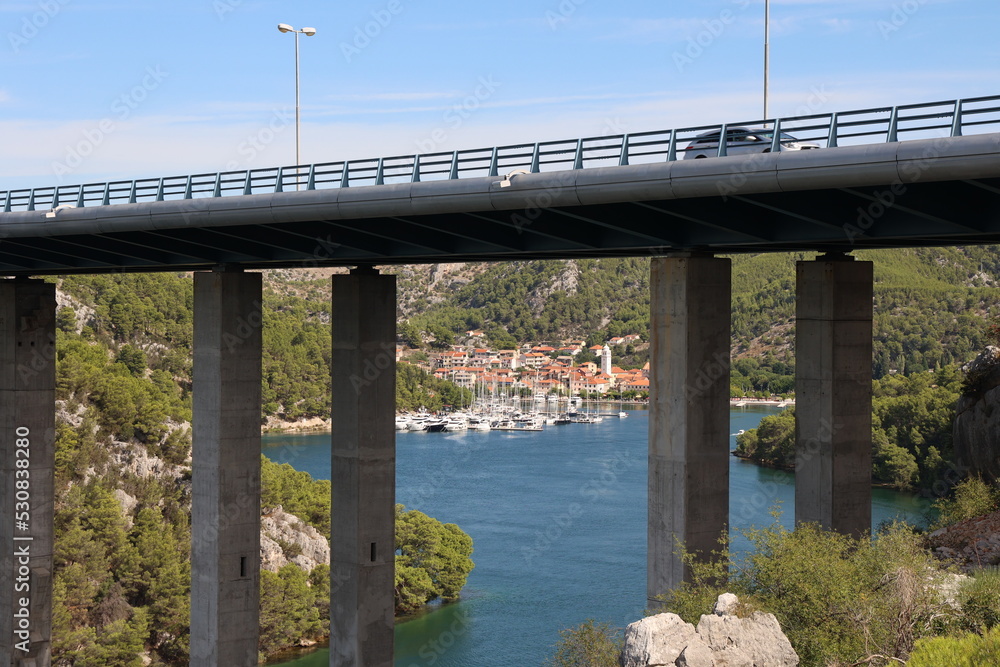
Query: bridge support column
[[833, 393], [27, 464], [690, 303], [225, 516], [363, 469]]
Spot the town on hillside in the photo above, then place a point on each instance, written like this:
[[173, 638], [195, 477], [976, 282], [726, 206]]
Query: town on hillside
[[539, 370]]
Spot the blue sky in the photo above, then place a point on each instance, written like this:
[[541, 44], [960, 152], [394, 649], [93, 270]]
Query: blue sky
[[107, 89]]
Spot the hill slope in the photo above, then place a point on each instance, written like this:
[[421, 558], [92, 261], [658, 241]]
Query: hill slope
[[930, 305]]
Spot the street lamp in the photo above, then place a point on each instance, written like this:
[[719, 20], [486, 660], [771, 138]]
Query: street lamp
[[308, 32], [767, 48]]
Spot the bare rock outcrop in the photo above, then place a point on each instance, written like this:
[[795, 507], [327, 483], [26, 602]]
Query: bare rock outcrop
[[566, 281], [976, 433], [656, 640], [721, 639], [970, 544], [84, 314], [284, 538], [135, 459]]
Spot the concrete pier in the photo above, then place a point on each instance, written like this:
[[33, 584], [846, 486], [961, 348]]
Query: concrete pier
[[27, 464], [690, 302], [833, 392], [363, 470], [225, 516]]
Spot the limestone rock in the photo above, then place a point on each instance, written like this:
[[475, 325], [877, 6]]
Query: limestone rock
[[278, 526], [696, 654], [747, 642], [272, 556], [135, 459], [721, 639], [726, 604], [74, 418], [128, 503], [656, 641], [84, 313]]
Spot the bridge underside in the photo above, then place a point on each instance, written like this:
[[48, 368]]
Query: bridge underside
[[964, 212]]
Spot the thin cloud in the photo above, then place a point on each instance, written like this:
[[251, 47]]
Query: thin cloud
[[392, 97], [838, 25], [653, 30], [547, 101], [193, 143]]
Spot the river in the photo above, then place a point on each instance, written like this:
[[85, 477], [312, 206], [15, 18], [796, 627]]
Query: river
[[558, 519]]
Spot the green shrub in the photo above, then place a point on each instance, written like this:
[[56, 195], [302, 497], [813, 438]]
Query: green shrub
[[839, 600], [433, 560], [969, 651], [980, 600], [971, 498], [706, 582], [590, 644]]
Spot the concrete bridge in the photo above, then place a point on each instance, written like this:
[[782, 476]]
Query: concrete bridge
[[929, 174]]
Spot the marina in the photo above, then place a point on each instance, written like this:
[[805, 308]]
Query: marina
[[511, 415]]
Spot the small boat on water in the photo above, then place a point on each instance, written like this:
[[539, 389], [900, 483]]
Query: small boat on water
[[455, 425], [479, 424], [511, 425], [435, 425], [418, 424]]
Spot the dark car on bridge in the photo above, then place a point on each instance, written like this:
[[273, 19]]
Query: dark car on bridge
[[740, 140]]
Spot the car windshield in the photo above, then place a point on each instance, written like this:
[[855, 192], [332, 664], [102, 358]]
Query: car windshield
[[741, 135], [769, 134]]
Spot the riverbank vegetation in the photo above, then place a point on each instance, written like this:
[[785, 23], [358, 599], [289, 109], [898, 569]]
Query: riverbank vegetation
[[433, 561], [840, 600], [911, 430]]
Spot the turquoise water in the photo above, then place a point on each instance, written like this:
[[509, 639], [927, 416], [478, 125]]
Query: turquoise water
[[558, 519]]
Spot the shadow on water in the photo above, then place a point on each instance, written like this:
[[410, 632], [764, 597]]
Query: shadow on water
[[425, 637]]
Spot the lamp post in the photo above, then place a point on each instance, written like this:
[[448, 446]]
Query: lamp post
[[767, 48], [308, 32]]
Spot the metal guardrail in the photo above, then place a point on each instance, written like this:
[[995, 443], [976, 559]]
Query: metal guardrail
[[865, 126]]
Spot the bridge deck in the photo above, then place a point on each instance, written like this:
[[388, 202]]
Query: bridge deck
[[932, 191]]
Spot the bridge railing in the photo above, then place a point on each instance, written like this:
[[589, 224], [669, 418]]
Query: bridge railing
[[948, 118]]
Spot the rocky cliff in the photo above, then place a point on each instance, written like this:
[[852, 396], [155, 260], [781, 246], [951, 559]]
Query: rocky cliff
[[284, 538], [720, 639], [976, 434]]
